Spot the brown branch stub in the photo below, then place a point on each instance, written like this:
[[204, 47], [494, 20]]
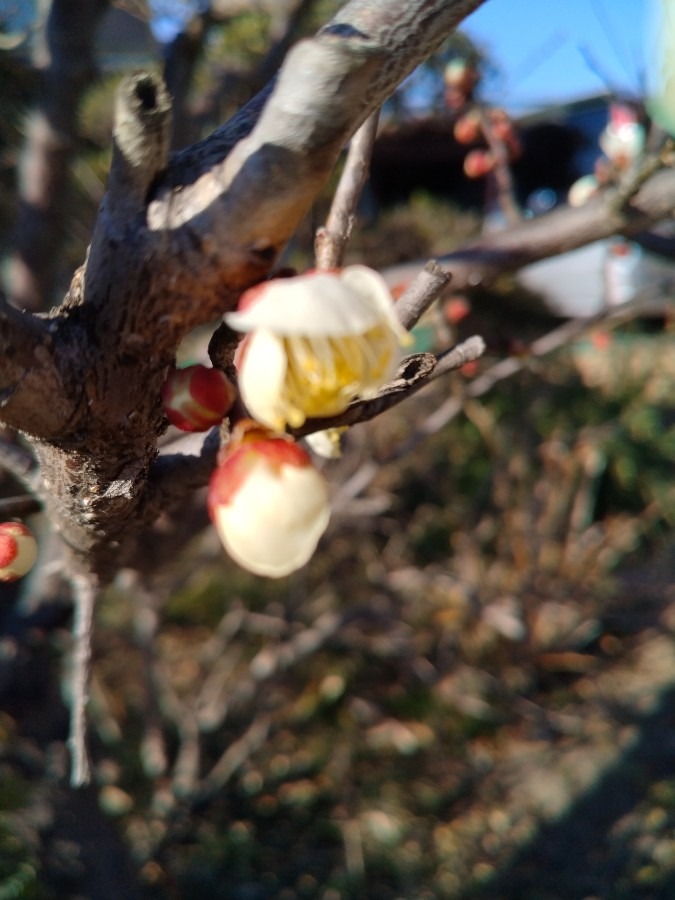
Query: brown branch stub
[[421, 293], [141, 136], [17, 507], [468, 351]]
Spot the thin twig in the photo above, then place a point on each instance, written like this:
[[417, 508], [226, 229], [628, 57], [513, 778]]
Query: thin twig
[[331, 240], [146, 625], [421, 293], [85, 591], [505, 368], [233, 758]]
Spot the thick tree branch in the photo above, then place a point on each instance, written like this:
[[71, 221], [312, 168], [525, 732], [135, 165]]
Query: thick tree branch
[[563, 229], [33, 393]]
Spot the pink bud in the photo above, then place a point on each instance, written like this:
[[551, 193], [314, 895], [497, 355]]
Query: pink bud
[[468, 128], [268, 503], [18, 551], [196, 397], [478, 163]]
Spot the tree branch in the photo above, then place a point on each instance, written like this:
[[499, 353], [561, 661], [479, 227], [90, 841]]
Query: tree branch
[[415, 372], [33, 398], [483, 260], [421, 293], [141, 138]]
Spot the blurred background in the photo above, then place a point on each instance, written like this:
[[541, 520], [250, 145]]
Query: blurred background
[[468, 692]]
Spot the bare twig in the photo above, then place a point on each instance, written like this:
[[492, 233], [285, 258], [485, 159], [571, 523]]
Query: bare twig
[[505, 368], [146, 622], [185, 770], [331, 240], [85, 590], [421, 293], [481, 261], [234, 757]]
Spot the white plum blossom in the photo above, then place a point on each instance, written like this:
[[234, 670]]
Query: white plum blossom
[[268, 503], [315, 343]]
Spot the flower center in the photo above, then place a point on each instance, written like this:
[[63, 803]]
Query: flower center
[[325, 373]]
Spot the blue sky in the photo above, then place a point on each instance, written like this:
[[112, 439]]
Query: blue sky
[[543, 47]]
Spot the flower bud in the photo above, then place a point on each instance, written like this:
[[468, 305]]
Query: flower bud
[[582, 190], [468, 128], [196, 398], [478, 163], [18, 551], [268, 503]]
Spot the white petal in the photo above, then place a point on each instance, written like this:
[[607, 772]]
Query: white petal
[[261, 378], [276, 518], [323, 304], [326, 443], [369, 283]]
